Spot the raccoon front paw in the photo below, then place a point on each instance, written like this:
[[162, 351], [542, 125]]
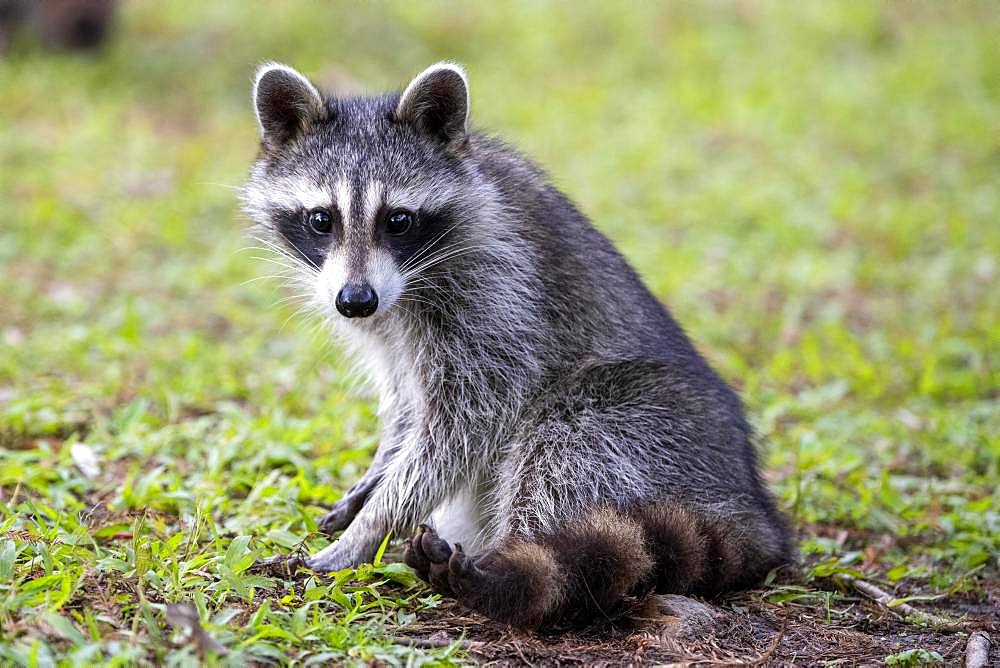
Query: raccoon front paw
[[279, 565], [349, 551], [347, 508], [339, 517]]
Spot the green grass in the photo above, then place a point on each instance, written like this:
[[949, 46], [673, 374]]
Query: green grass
[[812, 188]]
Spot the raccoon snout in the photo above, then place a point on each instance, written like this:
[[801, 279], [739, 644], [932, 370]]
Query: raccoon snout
[[357, 301]]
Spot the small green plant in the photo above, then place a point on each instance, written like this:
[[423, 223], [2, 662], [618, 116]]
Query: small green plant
[[914, 657]]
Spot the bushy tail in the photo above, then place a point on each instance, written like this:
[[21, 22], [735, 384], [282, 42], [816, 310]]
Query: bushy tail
[[583, 572]]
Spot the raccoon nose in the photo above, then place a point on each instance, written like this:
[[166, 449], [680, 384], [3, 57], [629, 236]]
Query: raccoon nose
[[357, 301]]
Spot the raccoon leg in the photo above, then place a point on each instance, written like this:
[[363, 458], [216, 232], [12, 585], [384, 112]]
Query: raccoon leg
[[415, 480], [576, 575], [347, 508]]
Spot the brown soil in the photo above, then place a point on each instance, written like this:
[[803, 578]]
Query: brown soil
[[742, 630]]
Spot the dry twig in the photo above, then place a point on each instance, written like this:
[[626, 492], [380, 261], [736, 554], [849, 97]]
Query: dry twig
[[772, 648], [905, 610], [439, 640]]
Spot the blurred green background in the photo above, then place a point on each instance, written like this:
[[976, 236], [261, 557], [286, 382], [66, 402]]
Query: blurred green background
[[811, 187]]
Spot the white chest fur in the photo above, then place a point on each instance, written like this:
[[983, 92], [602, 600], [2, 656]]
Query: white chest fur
[[458, 520]]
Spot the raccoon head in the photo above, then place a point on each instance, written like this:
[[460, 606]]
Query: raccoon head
[[363, 194]]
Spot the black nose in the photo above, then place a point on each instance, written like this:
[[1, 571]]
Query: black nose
[[357, 301]]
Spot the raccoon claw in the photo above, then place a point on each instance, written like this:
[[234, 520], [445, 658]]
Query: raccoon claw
[[347, 508], [342, 514], [437, 550], [414, 557], [336, 520], [448, 570], [459, 564], [463, 574], [430, 555], [280, 565]]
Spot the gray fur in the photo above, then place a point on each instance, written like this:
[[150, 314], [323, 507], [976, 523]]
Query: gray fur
[[525, 375]]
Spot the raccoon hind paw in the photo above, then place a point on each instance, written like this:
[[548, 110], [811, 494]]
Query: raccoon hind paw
[[431, 556]]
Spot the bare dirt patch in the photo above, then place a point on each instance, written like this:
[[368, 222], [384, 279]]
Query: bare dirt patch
[[742, 630]]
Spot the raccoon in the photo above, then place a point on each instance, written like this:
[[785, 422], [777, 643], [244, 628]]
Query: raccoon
[[551, 438]]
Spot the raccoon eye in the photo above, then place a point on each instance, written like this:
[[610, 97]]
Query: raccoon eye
[[321, 221], [398, 222]]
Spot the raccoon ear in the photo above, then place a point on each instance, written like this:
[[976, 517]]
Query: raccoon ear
[[437, 103], [285, 103]]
